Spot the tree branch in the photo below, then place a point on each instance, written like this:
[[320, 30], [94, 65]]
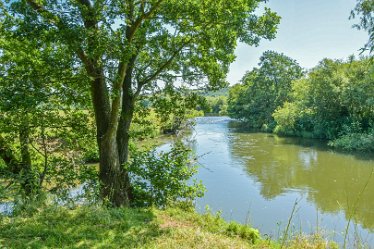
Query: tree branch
[[56, 20], [165, 64], [141, 18]]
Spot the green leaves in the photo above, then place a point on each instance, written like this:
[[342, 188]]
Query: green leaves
[[263, 90], [118, 52], [163, 178], [333, 102], [365, 11]]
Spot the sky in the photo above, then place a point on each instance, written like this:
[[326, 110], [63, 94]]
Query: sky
[[309, 31]]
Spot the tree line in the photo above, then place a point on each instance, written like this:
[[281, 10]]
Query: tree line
[[333, 101]]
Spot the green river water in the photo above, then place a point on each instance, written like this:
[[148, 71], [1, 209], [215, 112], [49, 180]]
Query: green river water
[[256, 178]]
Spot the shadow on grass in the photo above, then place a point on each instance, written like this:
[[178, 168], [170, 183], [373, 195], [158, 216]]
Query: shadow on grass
[[85, 227]]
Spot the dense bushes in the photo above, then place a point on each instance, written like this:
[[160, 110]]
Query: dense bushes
[[355, 141], [215, 105]]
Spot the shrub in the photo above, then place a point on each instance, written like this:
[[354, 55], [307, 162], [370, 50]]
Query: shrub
[[162, 178], [355, 141], [244, 232]]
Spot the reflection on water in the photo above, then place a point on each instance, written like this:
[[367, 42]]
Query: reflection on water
[[257, 177]]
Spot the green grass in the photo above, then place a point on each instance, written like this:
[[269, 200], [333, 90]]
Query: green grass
[[98, 227]]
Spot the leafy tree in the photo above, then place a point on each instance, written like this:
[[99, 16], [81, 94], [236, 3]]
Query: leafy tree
[[365, 11], [235, 101], [264, 89], [130, 47]]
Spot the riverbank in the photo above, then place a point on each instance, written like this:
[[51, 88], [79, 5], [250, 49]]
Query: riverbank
[[99, 227], [349, 143]]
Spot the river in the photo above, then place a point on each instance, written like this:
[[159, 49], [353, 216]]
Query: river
[[256, 178]]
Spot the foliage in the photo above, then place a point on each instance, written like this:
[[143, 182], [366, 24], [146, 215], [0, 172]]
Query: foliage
[[44, 125], [175, 108], [365, 11], [146, 124], [215, 105], [163, 178], [335, 101], [263, 90], [355, 141], [235, 101]]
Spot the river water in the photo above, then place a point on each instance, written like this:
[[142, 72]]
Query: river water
[[256, 178]]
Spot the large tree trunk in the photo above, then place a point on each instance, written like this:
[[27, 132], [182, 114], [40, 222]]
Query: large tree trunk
[[113, 179], [123, 139]]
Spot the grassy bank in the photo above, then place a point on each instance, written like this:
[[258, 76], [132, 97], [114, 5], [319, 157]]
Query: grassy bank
[[98, 227]]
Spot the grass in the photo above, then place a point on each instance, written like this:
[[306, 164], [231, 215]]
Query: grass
[[99, 227]]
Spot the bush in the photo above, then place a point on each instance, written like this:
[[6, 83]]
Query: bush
[[163, 178], [91, 153], [244, 232], [355, 141]]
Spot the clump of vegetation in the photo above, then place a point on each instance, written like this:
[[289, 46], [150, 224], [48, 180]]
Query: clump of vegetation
[[163, 178], [214, 105], [355, 141], [175, 109]]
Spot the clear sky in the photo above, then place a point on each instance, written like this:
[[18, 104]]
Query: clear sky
[[310, 30]]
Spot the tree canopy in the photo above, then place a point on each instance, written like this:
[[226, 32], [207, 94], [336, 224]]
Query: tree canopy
[[264, 89]]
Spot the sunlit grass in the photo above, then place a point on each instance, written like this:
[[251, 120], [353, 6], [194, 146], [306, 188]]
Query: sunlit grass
[[99, 227]]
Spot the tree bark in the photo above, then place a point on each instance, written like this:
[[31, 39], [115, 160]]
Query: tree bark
[[123, 132], [113, 178]]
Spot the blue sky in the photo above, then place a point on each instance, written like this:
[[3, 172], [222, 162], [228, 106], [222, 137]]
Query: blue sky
[[310, 30]]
